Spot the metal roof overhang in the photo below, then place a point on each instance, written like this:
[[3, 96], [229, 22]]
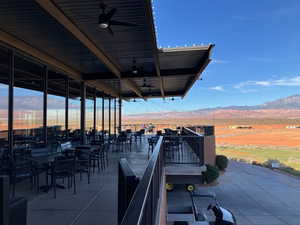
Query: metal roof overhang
[[64, 34]]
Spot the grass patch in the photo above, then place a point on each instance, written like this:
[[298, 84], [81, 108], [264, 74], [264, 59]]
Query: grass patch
[[288, 157], [291, 171]]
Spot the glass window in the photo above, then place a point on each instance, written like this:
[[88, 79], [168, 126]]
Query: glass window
[[106, 115], [56, 103], [113, 116], [28, 102], [117, 115], [74, 114], [74, 107], [89, 115], [4, 74], [55, 117], [99, 114]]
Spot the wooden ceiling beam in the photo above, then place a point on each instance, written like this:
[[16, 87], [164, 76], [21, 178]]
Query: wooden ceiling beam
[[50, 7], [164, 73], [156, 95], [202, 67], [24, 47], [50, 60], [154, 47], [134, 87]]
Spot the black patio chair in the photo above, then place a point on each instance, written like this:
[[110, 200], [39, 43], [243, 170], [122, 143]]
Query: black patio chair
[[120, 143], [63, 169], [84, 162], [98, 158]]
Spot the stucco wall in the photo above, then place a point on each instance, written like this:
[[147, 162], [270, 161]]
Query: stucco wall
[[209, 150]]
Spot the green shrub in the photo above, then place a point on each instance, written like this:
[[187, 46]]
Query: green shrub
[[221, 162], [211, 174]]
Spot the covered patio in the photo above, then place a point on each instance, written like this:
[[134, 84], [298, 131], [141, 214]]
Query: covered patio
[[65, 69], [64, 77]]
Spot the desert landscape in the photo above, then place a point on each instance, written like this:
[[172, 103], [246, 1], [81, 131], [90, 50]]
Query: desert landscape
[[270, 131]]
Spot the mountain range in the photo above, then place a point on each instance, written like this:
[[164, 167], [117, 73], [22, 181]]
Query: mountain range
[[288, 107]]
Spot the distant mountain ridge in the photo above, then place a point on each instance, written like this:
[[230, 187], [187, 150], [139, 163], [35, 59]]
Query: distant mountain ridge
[[288, 107], [291, 102]]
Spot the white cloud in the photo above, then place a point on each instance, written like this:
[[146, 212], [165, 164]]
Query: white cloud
[[217, 88], [293, 81], [263, 83], [219, 61]]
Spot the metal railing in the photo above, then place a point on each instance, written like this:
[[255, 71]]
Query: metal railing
[[144, 206], [196, 143], [177, 149]]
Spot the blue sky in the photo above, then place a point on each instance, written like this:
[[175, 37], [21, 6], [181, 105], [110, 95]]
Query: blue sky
[[256, 57]]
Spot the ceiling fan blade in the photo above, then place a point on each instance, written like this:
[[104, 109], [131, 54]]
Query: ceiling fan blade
[[109, 30], [114, 22], [111, 13]]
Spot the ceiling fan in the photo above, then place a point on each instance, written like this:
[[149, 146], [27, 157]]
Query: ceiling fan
[[135, 70], [145, 85], [105, 19]]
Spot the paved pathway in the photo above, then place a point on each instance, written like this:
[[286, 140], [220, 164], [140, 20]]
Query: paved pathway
[[256, 195]]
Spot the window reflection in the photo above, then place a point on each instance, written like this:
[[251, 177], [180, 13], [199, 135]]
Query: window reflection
[[4, 61], [99, 114], [74, 114], [28, 103], [3, 115], [106, 115], [55, 117], [89, 115]]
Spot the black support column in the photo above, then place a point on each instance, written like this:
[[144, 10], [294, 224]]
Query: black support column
[[82, 112], [45, 90], [11, 102], [67, 87]]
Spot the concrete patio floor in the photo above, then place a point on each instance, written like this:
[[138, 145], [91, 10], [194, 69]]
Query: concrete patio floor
[[94, 203], [256, 195]]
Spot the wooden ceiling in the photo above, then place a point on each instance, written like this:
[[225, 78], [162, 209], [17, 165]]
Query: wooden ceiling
[[65, 34]]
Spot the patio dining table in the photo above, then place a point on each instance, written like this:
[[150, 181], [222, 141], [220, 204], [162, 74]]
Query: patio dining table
[[45, 163]]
